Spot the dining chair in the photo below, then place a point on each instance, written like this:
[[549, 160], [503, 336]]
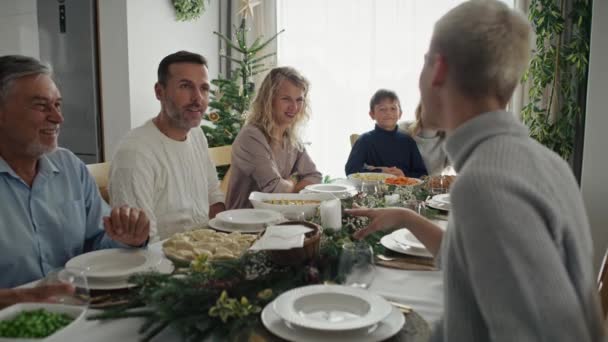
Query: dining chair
[[221, 156], [602, 284], [101, 173], [353, 139]]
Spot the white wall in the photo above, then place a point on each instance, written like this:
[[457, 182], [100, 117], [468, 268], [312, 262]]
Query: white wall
[[19, 28], [595, 156], [156, 34], [134, 36]]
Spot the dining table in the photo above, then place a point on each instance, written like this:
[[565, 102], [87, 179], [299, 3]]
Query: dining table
[[415, 286], [421, 290]]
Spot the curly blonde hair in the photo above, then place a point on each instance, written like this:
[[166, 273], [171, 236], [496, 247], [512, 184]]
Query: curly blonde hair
[[261, 109]]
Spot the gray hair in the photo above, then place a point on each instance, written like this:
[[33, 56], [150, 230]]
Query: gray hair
[[487, 46], [13, 67]]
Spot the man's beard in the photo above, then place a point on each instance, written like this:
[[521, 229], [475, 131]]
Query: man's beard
[[36, 149], [177, 117]]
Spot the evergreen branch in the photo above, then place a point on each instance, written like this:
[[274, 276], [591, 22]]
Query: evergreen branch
[[263, 45], [232, 58], [229, 42], [257, 60]]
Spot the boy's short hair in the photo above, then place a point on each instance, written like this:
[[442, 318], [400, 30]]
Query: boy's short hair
[[382, 94]]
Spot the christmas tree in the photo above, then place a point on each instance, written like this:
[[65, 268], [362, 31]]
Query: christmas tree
[[233, 94]]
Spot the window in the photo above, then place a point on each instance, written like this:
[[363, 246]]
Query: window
[[348, 49]]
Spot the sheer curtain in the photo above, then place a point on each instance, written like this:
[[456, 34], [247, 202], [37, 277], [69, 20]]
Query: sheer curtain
[[348, 49]]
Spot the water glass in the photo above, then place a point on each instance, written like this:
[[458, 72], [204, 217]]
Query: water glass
[[437, 185], [73, 276], [370, 188], [356, 265]]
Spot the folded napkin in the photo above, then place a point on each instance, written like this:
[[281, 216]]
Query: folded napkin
[[281, 237]]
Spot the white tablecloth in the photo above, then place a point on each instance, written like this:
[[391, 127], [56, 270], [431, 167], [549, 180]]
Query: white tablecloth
[[422, 290]]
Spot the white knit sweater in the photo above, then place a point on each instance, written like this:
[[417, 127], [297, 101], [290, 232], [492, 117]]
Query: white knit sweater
[[517, 256]]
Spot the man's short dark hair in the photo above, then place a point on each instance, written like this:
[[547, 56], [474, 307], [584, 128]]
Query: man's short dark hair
[[382, 94], [178, 57]]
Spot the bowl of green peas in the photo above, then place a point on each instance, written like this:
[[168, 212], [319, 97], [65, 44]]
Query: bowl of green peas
[[37, 321]]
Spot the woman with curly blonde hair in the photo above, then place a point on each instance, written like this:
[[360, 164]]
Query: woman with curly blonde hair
[[268, 154]]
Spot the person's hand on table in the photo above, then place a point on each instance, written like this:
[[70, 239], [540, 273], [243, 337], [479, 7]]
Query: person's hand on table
[[380, 219], [395, 171], [130, 226], [43, 293]]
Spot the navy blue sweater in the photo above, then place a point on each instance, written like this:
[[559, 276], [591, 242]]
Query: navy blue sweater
[[386, 148]]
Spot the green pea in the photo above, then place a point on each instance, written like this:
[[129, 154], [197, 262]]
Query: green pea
[[38, 323]]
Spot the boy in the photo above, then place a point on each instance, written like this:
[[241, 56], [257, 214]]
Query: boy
[[386, 149]]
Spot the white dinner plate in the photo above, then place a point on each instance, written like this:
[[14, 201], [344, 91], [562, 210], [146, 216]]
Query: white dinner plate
[[114, 263], [438, 205], [165, 267], [358, 178], [239, 218], [216, 224], [74, 311], [338, 190], [388, 242], [405, 237], [381, 331], [331, 307], [442, 198]]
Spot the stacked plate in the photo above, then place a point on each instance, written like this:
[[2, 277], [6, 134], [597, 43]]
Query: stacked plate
[[340, 191], [332, 313], [245, 220], [110, 269], [403, 241], [440, 202]]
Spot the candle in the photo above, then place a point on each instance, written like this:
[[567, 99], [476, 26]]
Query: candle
[[331, 214]]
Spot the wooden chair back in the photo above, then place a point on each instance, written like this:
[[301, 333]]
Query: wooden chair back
[[221, 156], [101, 173], [353, 139]]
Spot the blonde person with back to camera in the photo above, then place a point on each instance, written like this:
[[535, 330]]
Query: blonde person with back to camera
[[517, 253], [429, 142]]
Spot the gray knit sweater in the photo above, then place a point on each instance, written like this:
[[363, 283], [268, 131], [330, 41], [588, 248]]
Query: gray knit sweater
[[517, 254]]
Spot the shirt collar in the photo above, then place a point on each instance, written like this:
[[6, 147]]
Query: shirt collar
[[380, 129], [45, 165], [462, 142]]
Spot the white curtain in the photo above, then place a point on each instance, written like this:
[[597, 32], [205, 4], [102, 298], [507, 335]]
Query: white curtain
[[348, 49]]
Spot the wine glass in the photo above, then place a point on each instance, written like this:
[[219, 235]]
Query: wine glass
[[356, 265], [437, 185], [369, 187], [73, 276]]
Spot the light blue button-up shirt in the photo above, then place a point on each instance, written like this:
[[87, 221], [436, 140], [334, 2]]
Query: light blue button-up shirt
[[59, 217]]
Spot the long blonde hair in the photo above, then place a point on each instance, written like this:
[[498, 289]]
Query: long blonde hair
[[261, 110], [416, 127]]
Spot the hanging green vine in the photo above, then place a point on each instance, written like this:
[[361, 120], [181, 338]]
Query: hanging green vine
[[186, 10], [558, 72]]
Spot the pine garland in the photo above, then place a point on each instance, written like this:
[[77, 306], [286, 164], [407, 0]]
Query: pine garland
[[223, 298]]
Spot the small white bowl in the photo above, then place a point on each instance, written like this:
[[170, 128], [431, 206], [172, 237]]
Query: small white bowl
[[76, 312]]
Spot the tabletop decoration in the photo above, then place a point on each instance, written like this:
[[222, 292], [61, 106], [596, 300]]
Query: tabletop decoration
[[222, 298]]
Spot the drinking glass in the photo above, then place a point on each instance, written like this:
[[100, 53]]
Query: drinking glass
[[369, 188], [437, 185], [356, 265], [73, 276]]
